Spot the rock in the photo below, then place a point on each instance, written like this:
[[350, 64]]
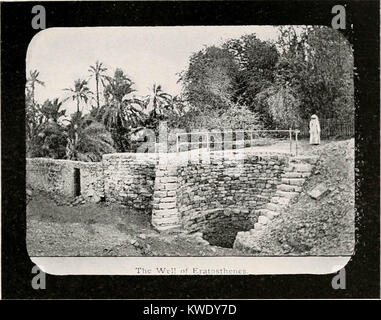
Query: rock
[[263, 220], [29, 192], [96, 199], [142, 236], [318, 191]]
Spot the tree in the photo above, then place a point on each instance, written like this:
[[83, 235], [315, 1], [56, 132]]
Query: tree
[[87, 139], [236, 116], [80, 92], [32, 81], [208, 81], [98, 72], [33, 121], [257, 62], [283, 105], [50, 110], [121, 111], [45, 137], [50, 141], [159, 106], [234, 73], [317, 66], [158, 101]]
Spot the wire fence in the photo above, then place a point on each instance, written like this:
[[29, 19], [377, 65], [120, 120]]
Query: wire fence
[[235, 139], [330, 128]]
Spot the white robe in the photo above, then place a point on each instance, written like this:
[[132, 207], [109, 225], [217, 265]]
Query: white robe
[[314, 131]]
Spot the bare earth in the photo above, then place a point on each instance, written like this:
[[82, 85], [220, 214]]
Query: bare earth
[[325, 226], [56, 229]]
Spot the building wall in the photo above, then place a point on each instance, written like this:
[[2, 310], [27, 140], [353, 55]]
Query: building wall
[[57, 176]]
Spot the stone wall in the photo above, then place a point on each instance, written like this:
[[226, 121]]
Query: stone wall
[[237, 182], [57, 176], [92, 180], [242, 185], [195, 190], [129, 179]]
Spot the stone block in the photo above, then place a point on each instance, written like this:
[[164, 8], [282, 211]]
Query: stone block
[[263, 220], [287, 188], [318, 191], [167, 200], [167, 179], [171, 186], [167, 205]]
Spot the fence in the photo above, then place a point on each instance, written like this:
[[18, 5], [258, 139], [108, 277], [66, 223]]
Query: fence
[[226, 140], [330, 128]]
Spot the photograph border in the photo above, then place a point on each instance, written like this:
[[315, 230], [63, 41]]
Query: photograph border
[[363, 271]]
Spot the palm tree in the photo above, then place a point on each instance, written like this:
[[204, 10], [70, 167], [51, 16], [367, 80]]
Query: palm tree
[[32, 81], [87, 139], [33, 123], [97, 71], [158, 102], [121, 111], [51, 110], [79, 93]]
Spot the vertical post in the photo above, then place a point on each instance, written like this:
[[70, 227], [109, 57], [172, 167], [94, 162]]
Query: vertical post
[[290, 132], [296, 142], [177, 142], [207, 141]]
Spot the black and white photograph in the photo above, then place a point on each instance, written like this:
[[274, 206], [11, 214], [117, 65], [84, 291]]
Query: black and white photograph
[[190, 141], [190, 150]]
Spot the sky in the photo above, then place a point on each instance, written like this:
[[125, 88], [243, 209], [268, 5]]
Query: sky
[[148, 55]]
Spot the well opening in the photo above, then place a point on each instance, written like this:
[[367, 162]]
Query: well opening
[[223, 225]]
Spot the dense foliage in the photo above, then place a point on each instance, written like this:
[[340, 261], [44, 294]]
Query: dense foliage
[[245, 83]]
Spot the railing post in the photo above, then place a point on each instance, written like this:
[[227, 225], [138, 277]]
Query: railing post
[[290, 132], [296, 142], [207, 141], [177, 142]]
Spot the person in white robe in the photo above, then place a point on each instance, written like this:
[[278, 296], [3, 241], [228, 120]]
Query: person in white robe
[[314, 130]]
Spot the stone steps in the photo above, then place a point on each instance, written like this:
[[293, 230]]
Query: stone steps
[[268, 213], [292, 180], [288, 187], [305, 159], [295, 174], [286, 194], [281, 200]]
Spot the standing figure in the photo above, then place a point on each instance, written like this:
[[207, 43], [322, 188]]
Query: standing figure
[[314, 130]]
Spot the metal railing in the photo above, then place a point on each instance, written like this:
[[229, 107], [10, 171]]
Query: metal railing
[[249, 134]]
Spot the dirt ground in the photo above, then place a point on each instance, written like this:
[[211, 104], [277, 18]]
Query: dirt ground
[[325, 226], [55, 228]]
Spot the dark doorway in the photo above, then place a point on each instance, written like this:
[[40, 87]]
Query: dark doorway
[[77, 182]]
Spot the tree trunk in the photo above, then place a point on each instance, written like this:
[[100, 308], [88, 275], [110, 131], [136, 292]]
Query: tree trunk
[[96, 83], [33, 95]]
